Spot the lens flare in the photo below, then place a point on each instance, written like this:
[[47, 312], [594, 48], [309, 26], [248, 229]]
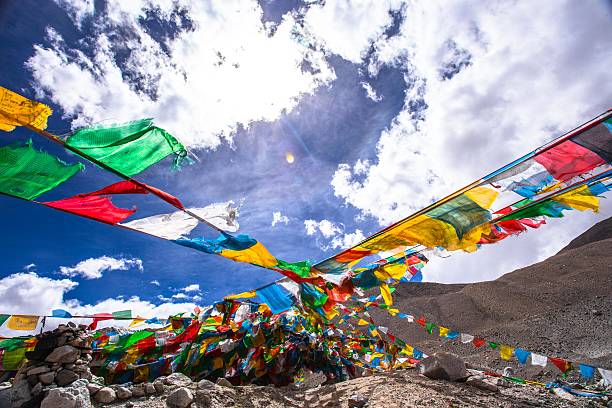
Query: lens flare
[[289, 157]]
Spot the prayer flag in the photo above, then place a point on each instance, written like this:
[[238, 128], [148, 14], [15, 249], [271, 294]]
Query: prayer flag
[[276, 297], [478, 342], [505, 352], [128, 148], [493, 345], [539, 360], [122, 314], [249, 294], [94, 207], [429, 327], [521, 355], [22, 322], [27, 173], [443, 331], [3, 318], [386, 294], [560, 363], [586, 371], [60, 313], [16, 110], [606, 375], [466, 338]]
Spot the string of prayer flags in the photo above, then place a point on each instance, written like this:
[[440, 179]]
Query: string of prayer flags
[[128, 148], [16, 110], [27, 173]]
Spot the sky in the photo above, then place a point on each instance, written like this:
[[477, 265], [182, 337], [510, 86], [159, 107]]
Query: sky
[[326, 121]]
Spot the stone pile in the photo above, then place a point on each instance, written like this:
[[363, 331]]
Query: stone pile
[[60, 358]]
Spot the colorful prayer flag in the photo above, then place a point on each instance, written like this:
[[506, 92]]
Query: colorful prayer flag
[[27, 173], [22, 322], [16, 110]]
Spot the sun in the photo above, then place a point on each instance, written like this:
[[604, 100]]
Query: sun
[[289, 157]]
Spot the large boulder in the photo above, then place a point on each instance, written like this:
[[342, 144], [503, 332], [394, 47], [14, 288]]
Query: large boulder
[[443, 366], [59, 398], [179, 398], [106, 395], [177, 379], [65, 377], [64, 354]]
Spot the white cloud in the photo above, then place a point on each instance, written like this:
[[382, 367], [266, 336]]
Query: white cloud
[[29, 293], [278, 218], [221, 70], [155, 282], [93, 268], [371, 92], [348, 27], [332, 233], [327, 228], [194, 287], [494, 82]]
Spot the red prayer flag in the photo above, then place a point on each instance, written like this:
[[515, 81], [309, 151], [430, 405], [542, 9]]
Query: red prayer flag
[[98, 317], [421, 321], [478, 342], [568, 160], [560, 363], [131, 187], [95, 207]]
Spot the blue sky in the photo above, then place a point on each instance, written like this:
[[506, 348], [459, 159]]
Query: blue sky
[[385, 106]]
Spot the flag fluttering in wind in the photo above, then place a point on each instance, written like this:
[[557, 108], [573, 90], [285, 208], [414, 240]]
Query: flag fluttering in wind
[[129, 148], [16, 110]]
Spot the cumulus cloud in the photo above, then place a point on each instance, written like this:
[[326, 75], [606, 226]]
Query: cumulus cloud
[[77, 10], [93, 268], [194, 287], [218, 69], [278, 218], [29, 293]]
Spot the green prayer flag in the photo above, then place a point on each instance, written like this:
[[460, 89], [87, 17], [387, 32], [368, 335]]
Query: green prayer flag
[[27, 173], [136, 337], [123, 314], [129, 148], [429, 327], [301, 269], [3, 318], [493, 345]]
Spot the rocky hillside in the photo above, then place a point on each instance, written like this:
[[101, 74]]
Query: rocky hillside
[[559, 307]]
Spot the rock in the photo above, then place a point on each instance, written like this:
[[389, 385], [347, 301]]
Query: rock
[[47, 378], [106, 395], [179, 398], [223, 382], [177, 379], [443, 366], [59, 398], [93, 388], [5, 396], [357, 401], [149, 389], [80, 391], [481, 384], [37, 389], [159, 386], [65, 377], [205, 384], [20, 393], [38, 370], [203, 399], [63, 354], [138, 391], [123, 393]]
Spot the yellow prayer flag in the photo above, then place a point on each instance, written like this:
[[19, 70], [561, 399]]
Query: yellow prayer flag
[[443, 331], [391, 271], [362, 322], [137, 321], [385, 291], [243, 295], [217, 363], [22, 322], [408, 350], [505, 352], [257, 255], [16, 110], [580, 199]]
